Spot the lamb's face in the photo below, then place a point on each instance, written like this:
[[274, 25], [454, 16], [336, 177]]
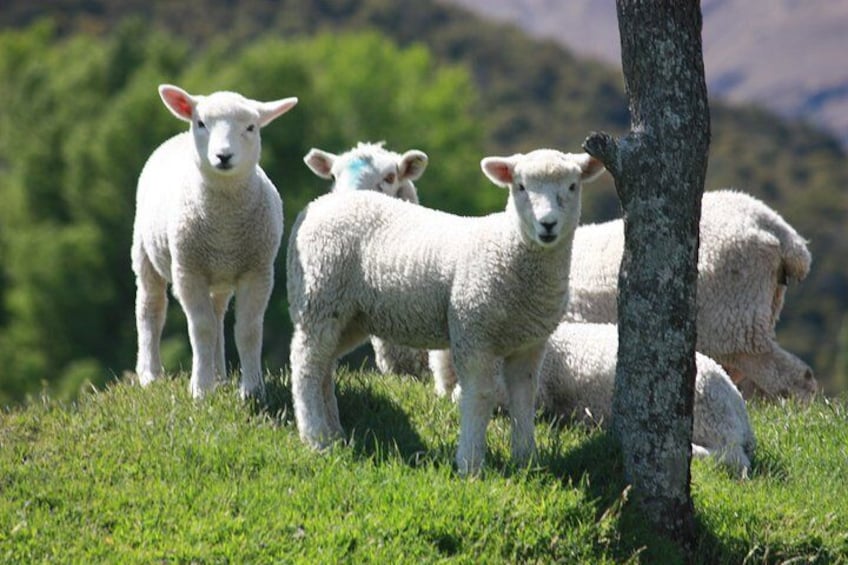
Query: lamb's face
[[377, 172], [545, 187], [225, 128], [772, 375], [368, 166]]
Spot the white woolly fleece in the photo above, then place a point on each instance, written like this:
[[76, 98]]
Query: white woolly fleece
[[748, 255], [492, 287]]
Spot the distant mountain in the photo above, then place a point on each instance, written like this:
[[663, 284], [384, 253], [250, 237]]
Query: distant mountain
[[787, 55]]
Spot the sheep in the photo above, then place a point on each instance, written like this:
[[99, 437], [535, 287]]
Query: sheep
[[491, 287], [209, 222], [577, 378], [748, 256], [370, 166]]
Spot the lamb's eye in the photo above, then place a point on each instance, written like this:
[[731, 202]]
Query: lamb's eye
[[521, 187], [390, 178], [572, 187], [200, 124], [251, 127]]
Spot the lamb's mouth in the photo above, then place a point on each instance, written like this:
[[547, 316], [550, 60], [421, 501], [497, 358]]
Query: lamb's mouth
[[548, 237]]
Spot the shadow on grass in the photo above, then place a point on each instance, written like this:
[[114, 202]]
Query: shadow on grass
[[378, 428], [375, 426], [595, 466]]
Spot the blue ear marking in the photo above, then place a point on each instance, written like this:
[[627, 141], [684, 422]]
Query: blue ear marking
[[355, 167]]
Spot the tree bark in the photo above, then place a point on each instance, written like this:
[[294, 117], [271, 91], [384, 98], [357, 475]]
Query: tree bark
[[659, 170]]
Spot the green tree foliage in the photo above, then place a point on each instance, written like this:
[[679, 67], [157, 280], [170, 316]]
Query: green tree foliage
[[479, 89], [82, 115]]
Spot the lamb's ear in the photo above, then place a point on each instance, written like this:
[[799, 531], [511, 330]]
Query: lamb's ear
[[499, 170], [269, 111], [591, 167], [412, 165], [178, 101], [320, 162]]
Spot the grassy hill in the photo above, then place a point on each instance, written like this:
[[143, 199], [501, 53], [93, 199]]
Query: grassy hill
[[130, 475]]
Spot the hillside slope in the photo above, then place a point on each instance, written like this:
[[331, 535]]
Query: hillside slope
[[786, 55]]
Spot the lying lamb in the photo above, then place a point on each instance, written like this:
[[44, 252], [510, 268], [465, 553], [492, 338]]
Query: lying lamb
[[492, 288], [577, 378], [209, 222], [748, 255], [370, 166]]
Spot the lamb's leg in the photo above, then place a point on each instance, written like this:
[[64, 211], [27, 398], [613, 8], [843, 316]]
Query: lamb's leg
[[521, 373], [193, 293], [315, 407], [220, 300], [252, 294], [151, 303], [399, 359], [444, 375], [476, 374]]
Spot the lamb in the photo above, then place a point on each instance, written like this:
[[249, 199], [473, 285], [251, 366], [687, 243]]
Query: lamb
[[210, 222], [491, 288], [370, 166], [577, 378], [748, 256]]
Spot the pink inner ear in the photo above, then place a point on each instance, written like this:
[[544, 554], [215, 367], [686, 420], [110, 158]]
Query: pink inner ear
[[179, 103], [502, 172]]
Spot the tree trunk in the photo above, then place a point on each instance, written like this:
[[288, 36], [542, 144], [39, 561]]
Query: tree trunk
[[659, 170]]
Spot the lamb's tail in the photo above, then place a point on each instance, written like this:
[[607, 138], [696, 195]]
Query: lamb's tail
[[796, 256]]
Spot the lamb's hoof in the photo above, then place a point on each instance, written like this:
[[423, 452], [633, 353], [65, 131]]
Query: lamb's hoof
[[255, 394], [323, 442], [146, 377], [469, 466], [198, 391]]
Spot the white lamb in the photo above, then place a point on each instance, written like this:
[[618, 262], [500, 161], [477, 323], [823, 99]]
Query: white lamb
[[577, 378], [370, 166], [492, 288], [748, 255], [209, 222]]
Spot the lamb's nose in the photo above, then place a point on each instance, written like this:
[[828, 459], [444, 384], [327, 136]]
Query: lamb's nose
[[224, 158], [549, 226]]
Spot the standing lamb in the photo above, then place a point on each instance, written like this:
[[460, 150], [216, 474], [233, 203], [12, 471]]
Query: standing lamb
[[492, 288], [370, 166], [748, 256], [209, 222], [577, 379]]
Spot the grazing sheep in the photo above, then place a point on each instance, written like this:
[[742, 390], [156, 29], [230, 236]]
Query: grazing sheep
[[209, 222], [491, 288], [577, 378], [748, 255], [370, 166]]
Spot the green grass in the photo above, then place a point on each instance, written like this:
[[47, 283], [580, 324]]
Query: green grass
[[138, 476]]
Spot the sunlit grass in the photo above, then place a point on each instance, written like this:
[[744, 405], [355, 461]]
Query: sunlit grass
[[144, 475]]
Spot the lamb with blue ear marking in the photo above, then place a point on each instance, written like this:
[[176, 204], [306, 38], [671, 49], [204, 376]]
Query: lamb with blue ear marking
[[491, 288], [209, 221], [748, 255], [370, 166]]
